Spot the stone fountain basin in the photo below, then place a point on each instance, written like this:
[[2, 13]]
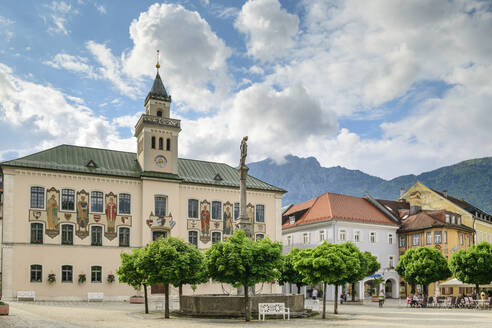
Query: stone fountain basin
[[220, 305]]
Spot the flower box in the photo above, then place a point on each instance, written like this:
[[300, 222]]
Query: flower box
[[4, 308]]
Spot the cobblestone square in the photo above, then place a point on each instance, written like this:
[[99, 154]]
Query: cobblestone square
[[123, 315]]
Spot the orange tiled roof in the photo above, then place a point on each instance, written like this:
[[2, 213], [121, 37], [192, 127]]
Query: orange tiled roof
[[330, 206]]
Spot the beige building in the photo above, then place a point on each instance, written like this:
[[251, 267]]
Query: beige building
[[70, 211]]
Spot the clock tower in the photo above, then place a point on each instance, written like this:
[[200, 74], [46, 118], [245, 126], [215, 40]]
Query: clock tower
[[157, 133]]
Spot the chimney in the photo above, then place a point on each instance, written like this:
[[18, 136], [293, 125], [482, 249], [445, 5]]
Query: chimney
[[414, 209], [445, 192], [402, 191]]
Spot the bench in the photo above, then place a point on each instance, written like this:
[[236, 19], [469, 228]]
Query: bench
[[273, 308], [26, 295], [98, 297]]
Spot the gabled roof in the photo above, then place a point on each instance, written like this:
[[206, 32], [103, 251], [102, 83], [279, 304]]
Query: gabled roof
[[462, 203], [330, 206], [429, 219], [124, 164]]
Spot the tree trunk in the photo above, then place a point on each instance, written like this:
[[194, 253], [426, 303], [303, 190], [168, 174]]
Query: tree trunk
[[180, 294], [166, 308], [477, 291], [146, 299], [413, 288], [335, 310], [324, 300], [298, 289], [246, 304], [353, 292]]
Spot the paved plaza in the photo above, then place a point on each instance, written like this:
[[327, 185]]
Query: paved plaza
[[123, 315]]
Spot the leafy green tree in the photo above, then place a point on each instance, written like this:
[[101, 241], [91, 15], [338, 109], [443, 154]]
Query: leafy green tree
[[473, 265], [288, 273], [163, 263], [423, 265], [240, 261], [330, 264], [368, 265], [128, 273], [190, 268]]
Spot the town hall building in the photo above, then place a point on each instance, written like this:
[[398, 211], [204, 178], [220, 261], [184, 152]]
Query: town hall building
[[69, 211]]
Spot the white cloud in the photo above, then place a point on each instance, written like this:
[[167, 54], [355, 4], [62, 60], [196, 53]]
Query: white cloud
[[193, 58], [5, 32], [277, 122], [58, 16], [270, 30], [100, 9], [52, 117], [72, 63], [111, 69]]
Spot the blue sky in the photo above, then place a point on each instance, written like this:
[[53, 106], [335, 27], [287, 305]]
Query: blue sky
[[386, 87]]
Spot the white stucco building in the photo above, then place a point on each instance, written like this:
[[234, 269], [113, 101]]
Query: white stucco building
[[340, 218]]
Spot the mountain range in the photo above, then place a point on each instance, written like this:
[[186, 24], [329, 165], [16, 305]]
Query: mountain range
[[305, 178]]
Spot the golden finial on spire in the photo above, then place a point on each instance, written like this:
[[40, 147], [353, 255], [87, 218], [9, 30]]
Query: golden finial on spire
[[158, 65]]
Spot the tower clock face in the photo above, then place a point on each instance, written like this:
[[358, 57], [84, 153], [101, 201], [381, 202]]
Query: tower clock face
[[160, 161]]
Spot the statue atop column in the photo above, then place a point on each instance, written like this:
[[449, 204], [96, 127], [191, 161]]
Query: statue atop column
[[244, 222]]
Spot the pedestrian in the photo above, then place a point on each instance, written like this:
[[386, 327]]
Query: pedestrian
[[341, 299], [315, 293], [381, 298]]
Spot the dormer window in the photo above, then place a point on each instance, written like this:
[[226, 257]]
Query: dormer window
[[159, 113], [161, 144], [218, 177], [153, 142], [91, 164], [292, 219]]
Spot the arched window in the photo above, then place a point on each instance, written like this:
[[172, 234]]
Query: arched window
[[161, 144], [159, 113], [153, 142], [168, 144]]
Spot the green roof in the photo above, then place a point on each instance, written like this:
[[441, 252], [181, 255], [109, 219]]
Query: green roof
[[124, 164]]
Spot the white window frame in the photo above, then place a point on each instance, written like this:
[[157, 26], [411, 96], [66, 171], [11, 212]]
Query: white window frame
[[444, 237], [129, 235], [74, 200], [305, 238], [197, 237], [90, 201], [390, 239], [197, 208], [342, 232], [42, 233], [428, 237], [167, 203], [44, 198], [61, 274], [220, 211], [258, 234], [289, 240], [118, 201], [402, 240], [416, 237], [292, 219], [436, 235], [102, 234], [256, 213], [215, 231], [391, 262], [322, 235], [357, 234], [372, 240], [73, 233]]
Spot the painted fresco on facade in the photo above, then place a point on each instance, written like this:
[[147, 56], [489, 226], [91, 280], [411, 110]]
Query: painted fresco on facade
[[82, 230], [228, 230], [162, 223], [111, 212], [205, 221], [52, 207]]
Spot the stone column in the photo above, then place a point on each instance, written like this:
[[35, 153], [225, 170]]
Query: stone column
[[243, 219]]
